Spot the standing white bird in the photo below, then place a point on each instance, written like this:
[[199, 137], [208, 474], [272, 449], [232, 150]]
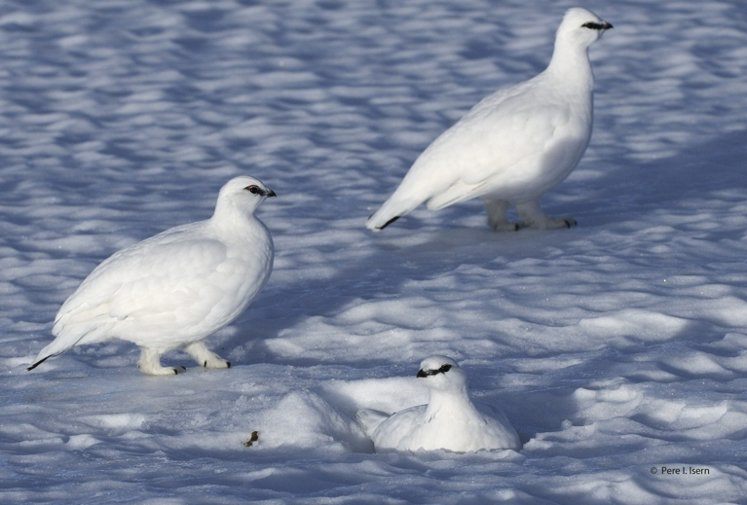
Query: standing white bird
[[515, 144], [174, 289], [449, 421]]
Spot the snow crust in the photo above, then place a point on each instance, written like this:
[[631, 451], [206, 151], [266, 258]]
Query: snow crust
[[614, 348]]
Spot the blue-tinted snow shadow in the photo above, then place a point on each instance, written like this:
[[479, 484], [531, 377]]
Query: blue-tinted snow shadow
[[627, 192]]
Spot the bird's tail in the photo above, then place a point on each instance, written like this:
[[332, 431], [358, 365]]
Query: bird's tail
[[38, 362], [44, 355], [394, 208], [59, 345], [369, 419]]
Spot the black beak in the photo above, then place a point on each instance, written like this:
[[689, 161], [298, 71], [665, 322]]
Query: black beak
[[606, 26], [270, 193], [421, 374]]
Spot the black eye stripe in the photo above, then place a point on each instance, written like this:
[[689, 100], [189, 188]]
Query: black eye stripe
[[253, 189], [428, 373], [595, 26]]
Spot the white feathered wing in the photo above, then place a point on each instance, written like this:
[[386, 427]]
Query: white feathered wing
[[506, 147], [124, 297]]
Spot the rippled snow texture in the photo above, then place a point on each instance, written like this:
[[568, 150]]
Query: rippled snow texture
[[615, 347]]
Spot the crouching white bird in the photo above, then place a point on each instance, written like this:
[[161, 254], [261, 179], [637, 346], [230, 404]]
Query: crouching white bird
[[449, 421], [174, 289], [515, 144]]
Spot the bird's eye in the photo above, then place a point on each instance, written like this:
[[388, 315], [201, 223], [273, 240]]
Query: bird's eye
[[444, 369], [253, 189], [428, 373], [592, 25]]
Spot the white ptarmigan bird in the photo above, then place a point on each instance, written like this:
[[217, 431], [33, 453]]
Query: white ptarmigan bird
[[449, 421], [515, 144], [174, 289]]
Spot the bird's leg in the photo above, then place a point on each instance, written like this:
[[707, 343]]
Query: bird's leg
[[532, 217], [150, 363], [497, 219], [205, 357]]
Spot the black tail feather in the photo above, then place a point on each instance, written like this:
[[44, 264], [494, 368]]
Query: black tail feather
[[389, 222], [38, 363]]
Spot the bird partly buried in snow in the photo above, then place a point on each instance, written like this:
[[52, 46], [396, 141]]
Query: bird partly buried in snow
[[174, 289], [515, 144], [449, 421]]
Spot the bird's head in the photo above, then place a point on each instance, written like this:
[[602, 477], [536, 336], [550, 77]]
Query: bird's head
[[581, 27], [244, 192], [442, 373]]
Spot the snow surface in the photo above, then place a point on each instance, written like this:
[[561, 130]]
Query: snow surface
[[615, 347]]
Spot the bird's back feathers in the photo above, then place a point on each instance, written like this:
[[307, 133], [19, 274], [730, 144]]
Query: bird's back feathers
[[514, 144], [173, 288]]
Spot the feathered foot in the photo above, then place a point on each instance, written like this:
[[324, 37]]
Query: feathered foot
[[205, 357], [150, 364]]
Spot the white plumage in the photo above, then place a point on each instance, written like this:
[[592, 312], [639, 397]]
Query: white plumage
[[449, 421], [174, 289], [515, 144]]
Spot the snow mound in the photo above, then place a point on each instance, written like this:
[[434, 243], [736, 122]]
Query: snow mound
[[304, 419]]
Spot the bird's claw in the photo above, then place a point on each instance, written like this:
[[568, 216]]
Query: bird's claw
[[254, 437], [217, 362]]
